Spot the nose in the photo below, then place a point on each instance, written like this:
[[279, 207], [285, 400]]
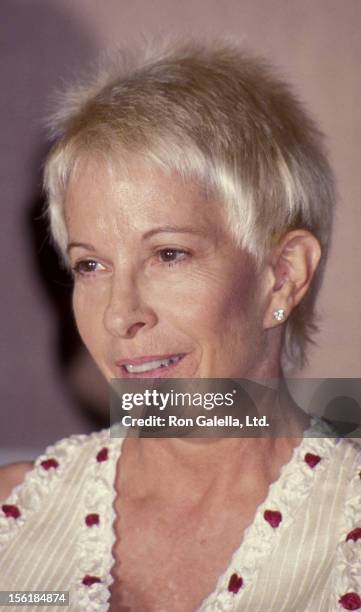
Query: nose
[[126, 312]]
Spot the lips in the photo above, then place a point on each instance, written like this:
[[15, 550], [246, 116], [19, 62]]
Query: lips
[[150, 365]]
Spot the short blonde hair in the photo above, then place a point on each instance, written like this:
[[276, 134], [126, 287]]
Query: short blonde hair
[[218, 115]]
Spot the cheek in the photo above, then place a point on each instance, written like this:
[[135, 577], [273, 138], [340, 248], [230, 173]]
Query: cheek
[[192, 299], [229, 299], [87, 320], [232, 318], [209, 305]]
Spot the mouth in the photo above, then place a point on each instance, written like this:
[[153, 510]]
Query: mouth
[[156, 366]]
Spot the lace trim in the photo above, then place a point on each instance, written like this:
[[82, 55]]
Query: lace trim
[[285, 495], [95, 543], [28, 496], [348, 569]]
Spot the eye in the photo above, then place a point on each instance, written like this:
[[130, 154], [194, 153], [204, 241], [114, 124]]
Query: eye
[[85, 267], [172, 256]]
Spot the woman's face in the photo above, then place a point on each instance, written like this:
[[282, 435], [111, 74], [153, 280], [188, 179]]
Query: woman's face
[[160, 290]]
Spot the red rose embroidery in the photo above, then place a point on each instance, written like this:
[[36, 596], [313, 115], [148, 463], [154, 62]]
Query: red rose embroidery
[[102, 455], [11, 511], [92, 519], [47, 464], [89, 580], [235, 583], [273, 517], [312, 460], [354, 535], [350, 601]]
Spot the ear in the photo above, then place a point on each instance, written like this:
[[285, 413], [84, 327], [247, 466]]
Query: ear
[[293, 262]]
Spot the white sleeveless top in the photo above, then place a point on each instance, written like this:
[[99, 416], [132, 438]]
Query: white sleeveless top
[[301, 554]]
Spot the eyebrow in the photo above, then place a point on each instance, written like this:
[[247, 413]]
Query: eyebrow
[[81, 245], [174, 229]]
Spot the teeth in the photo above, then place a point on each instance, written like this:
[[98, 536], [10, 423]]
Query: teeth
[[152, 365]]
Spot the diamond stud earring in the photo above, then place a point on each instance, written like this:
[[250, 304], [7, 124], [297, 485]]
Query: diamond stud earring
[[279, 314]]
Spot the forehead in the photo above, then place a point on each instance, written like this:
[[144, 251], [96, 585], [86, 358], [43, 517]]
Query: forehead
[[137, 197]]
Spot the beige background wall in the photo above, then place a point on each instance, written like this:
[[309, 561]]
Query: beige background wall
[[316, 44]]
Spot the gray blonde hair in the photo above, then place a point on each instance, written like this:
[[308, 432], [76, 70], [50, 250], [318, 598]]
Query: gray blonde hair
[[218, 115]]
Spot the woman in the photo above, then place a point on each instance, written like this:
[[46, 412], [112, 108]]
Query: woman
[[191, 197]]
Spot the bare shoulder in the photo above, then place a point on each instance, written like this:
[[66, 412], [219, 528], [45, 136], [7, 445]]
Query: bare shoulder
[[12, 475]]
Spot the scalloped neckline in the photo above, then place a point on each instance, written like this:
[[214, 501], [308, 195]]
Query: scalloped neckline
[[249, 554]]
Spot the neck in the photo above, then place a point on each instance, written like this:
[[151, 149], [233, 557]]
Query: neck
[[190, 473]]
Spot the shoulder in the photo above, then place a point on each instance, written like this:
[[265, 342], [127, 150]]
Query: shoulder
[[351, 461], [352, 474], [55, 459], [345, 464], [336, 464], [11, 476], [347, 569]]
